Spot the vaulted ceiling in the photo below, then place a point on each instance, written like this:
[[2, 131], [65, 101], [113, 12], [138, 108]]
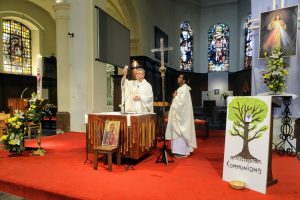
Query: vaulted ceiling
[[46, 5], [206, 3]]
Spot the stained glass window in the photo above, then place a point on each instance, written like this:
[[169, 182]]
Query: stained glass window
[[248, 43], [16, 48], [218, 48], [186, 47]]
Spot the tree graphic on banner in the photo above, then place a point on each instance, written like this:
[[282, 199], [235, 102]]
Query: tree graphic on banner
[[247, 115]]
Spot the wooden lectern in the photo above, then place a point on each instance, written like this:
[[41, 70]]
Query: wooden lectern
[[17, 104]]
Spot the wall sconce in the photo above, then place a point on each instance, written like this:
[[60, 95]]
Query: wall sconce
[[59, 1], [216, 91], [71, 35], [135, 64]]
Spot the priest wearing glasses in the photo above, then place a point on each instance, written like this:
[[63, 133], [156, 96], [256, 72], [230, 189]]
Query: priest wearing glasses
[[137, 95]]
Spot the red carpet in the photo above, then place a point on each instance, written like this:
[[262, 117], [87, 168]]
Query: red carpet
[[61, 174]]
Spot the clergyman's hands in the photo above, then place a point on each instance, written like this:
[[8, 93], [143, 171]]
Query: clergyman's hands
[[174, 94], [125, 70]]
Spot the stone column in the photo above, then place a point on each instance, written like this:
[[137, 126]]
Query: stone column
[[63, 66]]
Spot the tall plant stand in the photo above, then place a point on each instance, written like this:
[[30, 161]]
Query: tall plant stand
[[286, 136]]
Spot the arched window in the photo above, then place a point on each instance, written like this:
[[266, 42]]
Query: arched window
[[248, 43], [17, 56], [186, 47], [218, 48]]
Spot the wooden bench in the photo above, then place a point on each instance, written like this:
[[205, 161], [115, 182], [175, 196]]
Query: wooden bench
[[202, 123], [199, 123], [3, 120], [3, 129], [107, 151]]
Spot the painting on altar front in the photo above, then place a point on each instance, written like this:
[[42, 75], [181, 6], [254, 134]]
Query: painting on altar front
[[111, 133], [278, 29]]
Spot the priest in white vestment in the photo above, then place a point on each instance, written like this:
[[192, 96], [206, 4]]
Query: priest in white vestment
[[181, 128], [137, 95]]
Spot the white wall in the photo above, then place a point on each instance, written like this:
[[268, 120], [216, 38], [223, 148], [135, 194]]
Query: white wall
[[87, 77]]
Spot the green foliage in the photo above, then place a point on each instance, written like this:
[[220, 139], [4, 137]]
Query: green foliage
[[275, 73], [16, 126], [35, 109], [262, 130], [240, 106], [238, 109]]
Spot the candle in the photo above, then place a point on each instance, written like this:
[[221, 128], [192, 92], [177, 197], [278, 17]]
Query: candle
[[86, 119], [39, 77], [162, 52], [128, 120]]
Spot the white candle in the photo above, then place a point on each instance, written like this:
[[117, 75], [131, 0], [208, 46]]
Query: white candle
[[162, 52], [282, 3], [274, 4], [86, 119], [128, 120], [39, 77]]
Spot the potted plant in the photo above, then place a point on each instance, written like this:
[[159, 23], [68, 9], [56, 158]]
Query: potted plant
[[35, 109], [275, 73], [16, 127], [225, 95]]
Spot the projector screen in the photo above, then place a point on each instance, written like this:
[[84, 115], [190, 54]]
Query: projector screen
[[113, 45]]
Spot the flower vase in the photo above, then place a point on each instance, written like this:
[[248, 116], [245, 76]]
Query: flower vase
[[40, 151], [225, 101], [14, 153], [274, 92]]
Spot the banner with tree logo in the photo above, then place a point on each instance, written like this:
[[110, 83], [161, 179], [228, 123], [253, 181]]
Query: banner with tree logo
[[247, 141]]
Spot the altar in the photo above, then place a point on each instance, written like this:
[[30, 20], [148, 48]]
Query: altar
[[137, 132]]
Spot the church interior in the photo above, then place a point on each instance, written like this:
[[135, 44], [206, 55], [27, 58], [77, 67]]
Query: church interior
[[71, 55]]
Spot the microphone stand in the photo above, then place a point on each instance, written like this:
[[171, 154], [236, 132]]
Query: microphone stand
[[123, 105], [23, 92], [87, 144]]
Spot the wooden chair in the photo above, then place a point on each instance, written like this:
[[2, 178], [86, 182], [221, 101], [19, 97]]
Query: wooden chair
[[32, 126], [107, 151], [106, 148], [3, 119], [198, 123], [3, 129]]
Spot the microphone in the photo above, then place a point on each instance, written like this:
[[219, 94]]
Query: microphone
[[23, 92], [124, 103]]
